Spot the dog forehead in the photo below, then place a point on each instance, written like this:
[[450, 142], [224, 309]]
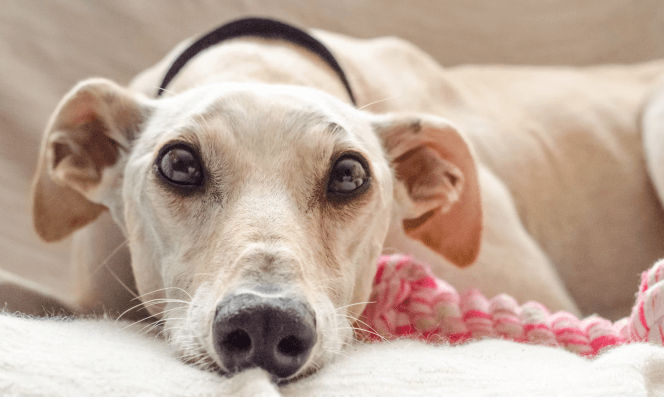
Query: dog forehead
[[255, 98], [262, 112]]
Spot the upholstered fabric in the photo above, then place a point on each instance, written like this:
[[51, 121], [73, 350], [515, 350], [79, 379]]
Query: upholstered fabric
[[103, 358]]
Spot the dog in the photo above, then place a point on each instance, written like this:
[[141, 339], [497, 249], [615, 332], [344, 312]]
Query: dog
[[255, 198]]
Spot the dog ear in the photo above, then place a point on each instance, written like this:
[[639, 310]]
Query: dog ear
[[437, 167], [91, 127]]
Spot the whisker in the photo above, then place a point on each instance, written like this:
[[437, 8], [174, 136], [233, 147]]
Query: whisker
[[369, 330], [161, 322], [158, 290], [120, 281], [164, 90], [150, 326], [134, 323], [354, 304], [152, 316], [348, 315], [153, 302], [194, 351], [378, 101], [167, 319], [359, 321], [103, 263], [172, 327], [373, 333], [158, 301]]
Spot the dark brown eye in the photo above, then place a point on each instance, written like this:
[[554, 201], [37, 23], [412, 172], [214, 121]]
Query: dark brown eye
[[179, 165], [347, 177]]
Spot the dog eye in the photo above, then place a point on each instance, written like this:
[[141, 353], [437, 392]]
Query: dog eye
[[180, 166], [348, 175]]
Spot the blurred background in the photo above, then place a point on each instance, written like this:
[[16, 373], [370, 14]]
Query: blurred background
[[47, 46]]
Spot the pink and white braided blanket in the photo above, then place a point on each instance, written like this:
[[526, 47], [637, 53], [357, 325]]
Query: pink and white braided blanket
[[409, 301]]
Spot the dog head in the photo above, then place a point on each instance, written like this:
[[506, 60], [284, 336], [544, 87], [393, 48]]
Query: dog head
[[255, 213]]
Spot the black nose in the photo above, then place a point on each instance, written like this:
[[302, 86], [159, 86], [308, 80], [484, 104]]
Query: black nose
[[273, 333]]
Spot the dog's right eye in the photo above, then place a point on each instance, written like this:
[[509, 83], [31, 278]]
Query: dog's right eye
[[179, 165]]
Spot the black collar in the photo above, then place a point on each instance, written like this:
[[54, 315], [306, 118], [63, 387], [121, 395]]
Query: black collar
[[260, 27]]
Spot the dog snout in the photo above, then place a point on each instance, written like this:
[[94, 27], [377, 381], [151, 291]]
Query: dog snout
[[271, 332]]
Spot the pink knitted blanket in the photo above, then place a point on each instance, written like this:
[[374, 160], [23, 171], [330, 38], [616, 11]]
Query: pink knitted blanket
[[409, 301]]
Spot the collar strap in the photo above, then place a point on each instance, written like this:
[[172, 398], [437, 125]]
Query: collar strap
[[260, 27]]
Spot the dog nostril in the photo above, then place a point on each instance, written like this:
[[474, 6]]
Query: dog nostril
[[237, 341], [292, 346]]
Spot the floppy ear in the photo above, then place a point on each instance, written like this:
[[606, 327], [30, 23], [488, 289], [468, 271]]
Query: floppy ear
[[78, 163], [437, 167]]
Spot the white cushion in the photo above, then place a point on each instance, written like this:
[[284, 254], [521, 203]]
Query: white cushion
[[52, 357]]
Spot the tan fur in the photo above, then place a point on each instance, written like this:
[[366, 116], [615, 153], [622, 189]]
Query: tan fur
[[545, 169]]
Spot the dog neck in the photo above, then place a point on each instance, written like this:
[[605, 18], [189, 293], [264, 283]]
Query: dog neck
[[260, 28]]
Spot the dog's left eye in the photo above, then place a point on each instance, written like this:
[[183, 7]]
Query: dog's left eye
[[180, 166], [348, 176]]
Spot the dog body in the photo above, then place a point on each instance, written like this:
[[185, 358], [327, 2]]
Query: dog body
[[263, 212], [566, 145]]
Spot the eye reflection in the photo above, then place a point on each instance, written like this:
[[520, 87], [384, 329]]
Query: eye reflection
[[180, 166], [348, 175]]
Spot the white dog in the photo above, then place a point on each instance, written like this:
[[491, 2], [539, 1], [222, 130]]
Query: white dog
[[255, 199]]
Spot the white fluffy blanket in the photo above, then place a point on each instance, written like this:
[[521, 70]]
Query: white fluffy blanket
[[100, 358]]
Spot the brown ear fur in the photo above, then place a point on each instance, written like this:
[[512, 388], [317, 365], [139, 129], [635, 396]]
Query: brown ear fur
[[437, 167], [57, 210], [93, 122]]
